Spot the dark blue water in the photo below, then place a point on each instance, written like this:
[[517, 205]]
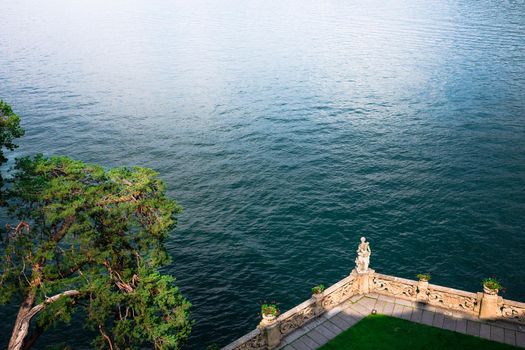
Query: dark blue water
[[288, 129]]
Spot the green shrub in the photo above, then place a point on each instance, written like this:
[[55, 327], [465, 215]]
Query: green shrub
[[269, 309], [318, 289], [423, 276], [492, 283]]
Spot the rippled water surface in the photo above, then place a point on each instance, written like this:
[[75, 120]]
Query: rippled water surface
[[288, 129]]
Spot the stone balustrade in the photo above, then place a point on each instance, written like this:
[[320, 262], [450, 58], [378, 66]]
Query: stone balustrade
[[253, 340], [394, 286], [512, 311], [485, 305], [454, 299], [423, 292]]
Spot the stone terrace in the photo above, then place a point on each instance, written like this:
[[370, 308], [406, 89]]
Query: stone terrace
[[326, 314], [324, 328]]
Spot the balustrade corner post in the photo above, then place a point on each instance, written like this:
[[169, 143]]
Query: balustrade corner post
[[318, 303], [365, 281], [422, 291], [272, 333], [489, 309]]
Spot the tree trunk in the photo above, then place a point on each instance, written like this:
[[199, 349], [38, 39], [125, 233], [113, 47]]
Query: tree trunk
[[26, 312], [21, 327], [32, 338]]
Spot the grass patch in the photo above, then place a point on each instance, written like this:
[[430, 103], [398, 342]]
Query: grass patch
[[383, 332]]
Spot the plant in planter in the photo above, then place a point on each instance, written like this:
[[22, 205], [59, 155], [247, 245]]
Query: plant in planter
[[425, 277], [269, 311], [491, 285], [318, 289]]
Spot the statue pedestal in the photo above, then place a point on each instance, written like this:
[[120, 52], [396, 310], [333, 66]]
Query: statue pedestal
[[364, 280]]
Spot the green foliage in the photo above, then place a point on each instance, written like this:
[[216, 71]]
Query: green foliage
[[318, 289], [269, 309], [492, 283], [99, 233], [9, 130], [423, 276]]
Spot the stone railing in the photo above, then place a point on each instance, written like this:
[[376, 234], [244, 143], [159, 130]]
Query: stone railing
[[422, 291], [269, 335], [339, 292], [394, 286], [253, 340], [512, 311], [453, 299], [485, 305]]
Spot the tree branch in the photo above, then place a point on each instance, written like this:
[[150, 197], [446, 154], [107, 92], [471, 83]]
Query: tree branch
[[128, 198], [68, 272], [106, 337], [65, 226], [36, 309]]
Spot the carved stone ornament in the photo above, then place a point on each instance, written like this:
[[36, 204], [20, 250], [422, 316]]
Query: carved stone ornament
[[256, 343], [341, 294], [394, 288], [513, 313], [489, 291], [297, 320], [452, 301]]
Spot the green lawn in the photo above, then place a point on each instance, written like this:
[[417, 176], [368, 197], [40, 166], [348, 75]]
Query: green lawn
[[383, 332]]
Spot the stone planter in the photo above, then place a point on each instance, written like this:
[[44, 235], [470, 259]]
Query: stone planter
[[267, 321], [423, 283], [268, 318], [489, 291], [317, 296]]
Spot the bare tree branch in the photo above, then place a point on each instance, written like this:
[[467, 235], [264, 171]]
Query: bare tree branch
[[36, 309], [105, 337]]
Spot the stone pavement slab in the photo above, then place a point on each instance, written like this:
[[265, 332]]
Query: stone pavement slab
[[461, 326], [388, 309], [497, 334], [438, 320], [417, 314], [449, 323], [473, 328], [510, 336], [520, 339], [406, 314], [484, 331], [427, 317]]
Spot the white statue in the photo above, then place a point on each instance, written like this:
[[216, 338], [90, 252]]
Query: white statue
[[363, 256]]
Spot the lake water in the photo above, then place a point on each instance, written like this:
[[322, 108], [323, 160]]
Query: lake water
[[287, 130]]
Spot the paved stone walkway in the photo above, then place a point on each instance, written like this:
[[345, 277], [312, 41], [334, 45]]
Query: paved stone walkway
[[321, 330]]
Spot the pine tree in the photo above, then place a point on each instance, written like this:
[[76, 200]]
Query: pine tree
[[90, 241]]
